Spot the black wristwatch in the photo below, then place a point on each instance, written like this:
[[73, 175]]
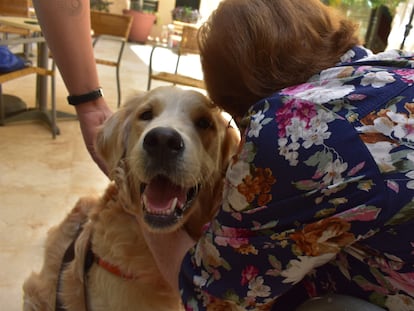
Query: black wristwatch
[[80, 99]]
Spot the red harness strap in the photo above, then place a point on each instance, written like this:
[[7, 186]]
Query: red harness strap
[[114, 269]]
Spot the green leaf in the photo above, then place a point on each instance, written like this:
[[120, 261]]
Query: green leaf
[[404, 215], [275, 262], [320, 159], [307, 185]]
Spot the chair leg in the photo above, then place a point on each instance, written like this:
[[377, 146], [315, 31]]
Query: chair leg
[[149, 83], [177, 64], [118, 84], [27, 48], [118, 68], [55, 130], [150, 68], [2, 116]]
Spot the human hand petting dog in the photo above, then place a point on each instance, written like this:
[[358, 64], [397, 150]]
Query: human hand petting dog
[[91, 116]]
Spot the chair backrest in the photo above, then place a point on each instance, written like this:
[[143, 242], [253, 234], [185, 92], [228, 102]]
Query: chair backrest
[[189, 43], [110, 24], [18, 8]]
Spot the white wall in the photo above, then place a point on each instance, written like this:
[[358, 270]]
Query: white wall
[[208, 6]]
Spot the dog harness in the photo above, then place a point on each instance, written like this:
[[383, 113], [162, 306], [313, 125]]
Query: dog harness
[[67, 258], [90, 259]]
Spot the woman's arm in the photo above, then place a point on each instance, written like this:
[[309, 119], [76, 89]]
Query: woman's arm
[[66, 27]]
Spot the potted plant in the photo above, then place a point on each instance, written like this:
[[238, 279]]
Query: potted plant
[[185, 14], [144, 17], [100, 5]]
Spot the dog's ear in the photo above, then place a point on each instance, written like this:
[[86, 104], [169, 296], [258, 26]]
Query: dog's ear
[[230, 145], [112, 137], [203, 213], [231, 141]]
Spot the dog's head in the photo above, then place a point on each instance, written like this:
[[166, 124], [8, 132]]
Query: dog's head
[[171, 148]]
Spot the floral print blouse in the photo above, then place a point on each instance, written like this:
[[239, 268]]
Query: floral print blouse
[[319, 198]]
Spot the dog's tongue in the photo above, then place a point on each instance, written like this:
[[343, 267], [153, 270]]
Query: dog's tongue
[[160, 195]]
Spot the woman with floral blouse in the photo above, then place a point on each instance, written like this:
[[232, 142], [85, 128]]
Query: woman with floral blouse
[[319, 198]]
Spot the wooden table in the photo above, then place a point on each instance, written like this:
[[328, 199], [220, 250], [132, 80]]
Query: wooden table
[[21, 22], [40, 112]]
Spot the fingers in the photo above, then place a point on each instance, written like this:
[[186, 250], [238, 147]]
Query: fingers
[[91, 116], [95, 156]]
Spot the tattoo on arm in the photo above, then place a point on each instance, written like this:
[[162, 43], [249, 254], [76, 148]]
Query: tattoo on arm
[[72, 7]]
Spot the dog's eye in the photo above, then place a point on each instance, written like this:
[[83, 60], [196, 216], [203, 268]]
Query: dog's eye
[[146, 115], [204, 123]]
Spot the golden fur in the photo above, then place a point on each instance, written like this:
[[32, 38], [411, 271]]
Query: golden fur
[[109, 223]]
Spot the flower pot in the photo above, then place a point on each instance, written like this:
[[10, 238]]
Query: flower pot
[[141, 25]]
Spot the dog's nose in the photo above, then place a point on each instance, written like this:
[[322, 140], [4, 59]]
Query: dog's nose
[[163, 141]]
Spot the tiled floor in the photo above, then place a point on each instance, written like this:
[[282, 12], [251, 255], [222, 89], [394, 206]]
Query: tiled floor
[[42, 178]]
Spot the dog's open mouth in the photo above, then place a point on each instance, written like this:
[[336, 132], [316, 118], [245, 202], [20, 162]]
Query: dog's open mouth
[[164, 203]]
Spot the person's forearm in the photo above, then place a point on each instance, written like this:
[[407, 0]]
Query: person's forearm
[[66, 27]]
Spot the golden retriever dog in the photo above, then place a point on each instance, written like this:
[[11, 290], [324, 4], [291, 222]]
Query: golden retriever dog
[[167, 152]]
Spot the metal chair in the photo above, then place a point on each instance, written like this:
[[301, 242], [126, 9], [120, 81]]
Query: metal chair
[[188, 45], [116, 27]]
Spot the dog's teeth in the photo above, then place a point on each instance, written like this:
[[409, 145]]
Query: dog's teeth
[[173, 204], [180, 205], [145, 201], [165, 212]]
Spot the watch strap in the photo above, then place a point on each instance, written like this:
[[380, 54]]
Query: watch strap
[[83, 98]]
